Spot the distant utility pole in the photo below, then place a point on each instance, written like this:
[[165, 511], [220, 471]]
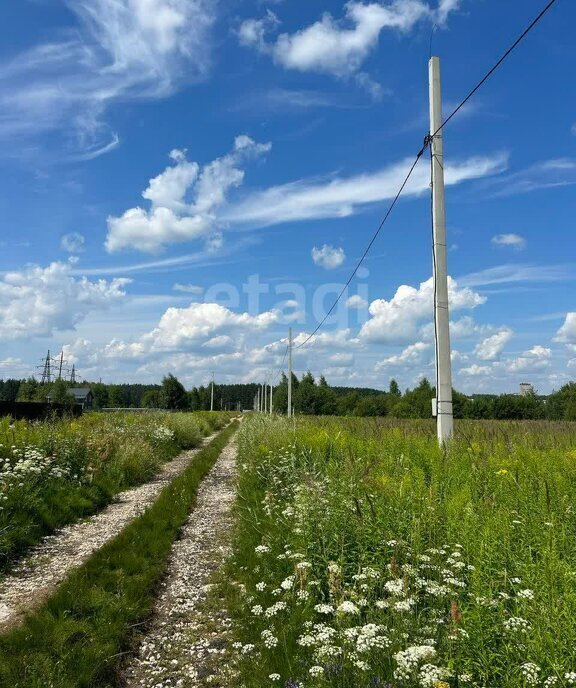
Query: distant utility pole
[[60, 366], [289, 372], [444, 416], [264, 399], [212, 393], [258, 399], [73, 375], [271, 393]]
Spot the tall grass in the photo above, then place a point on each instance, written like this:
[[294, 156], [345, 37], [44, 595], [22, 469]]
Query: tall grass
[[52, 473], [366, 556], [79, 637]]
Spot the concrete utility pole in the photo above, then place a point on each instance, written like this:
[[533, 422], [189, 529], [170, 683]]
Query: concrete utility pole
[[444, 417], [271, 393], [258, 399], [264, 398], [289, 372], [212, 393]]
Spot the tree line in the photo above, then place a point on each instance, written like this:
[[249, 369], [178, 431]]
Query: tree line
[[309, 397]]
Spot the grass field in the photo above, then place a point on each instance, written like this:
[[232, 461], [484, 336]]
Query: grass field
[[365, 556], [55, 472]]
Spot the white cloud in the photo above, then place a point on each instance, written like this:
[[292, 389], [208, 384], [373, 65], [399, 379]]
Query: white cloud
[[328, 256], [546, 174], [118, 50], [488, 349], [476, 370], [537, 358], [515, 241], [341, 360], [172, 217], [357, 302], [182, 328], [308, 199], [414, 355], [340, 47], [38, 301], [504, 274], [396, 321], [188, 288], [567, 333], [73, 242]]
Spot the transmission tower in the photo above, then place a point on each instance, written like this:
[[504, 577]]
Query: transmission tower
[[73, 374], [47, 371]]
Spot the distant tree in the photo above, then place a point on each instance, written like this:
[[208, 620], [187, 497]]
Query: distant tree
[[60, 394], [152, 398], [9, 389], [394, 389], [28, 390], [100, 394], [322, 382], [172, 394], [115, 397]]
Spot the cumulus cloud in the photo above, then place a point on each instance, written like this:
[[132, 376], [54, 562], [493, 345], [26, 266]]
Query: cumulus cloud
[[182, 328], [396, 321], [118, 50], [38, 301], [184, 201], [73, 242], [414, 355], [537, 358], [340, 46], [328, 256], [514, 241], [488, 349], [567, 333], [356, 302]]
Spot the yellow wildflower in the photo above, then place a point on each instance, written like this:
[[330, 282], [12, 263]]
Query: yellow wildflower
[[502, 471]]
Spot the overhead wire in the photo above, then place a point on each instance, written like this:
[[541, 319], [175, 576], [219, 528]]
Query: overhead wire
[[427, 142]]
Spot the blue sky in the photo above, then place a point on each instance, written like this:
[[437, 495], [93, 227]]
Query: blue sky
[[185, 179]]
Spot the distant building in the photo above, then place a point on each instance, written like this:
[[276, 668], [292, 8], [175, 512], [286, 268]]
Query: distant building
[[526, 388], [82, 397]]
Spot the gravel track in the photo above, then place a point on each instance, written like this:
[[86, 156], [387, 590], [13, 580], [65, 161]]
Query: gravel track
[[35, 577], [166, 657]]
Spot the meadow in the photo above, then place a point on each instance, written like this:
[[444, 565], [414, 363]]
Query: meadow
[[52, 473], [366, 556]]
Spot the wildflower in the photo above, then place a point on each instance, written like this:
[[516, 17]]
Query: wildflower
[[405, 605], [262, 549], [550, 681], [570, 677], [287, 583], [324, 608], [274, 677], [257, 610], [530, 672], [502, 471], [348, 607], [247, 649], [395, 587], [270, 640], [260, 587], [408, 660], [526, 594], [316, 671], [517, 624]]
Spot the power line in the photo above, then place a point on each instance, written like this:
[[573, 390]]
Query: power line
[[495, 67], [419, 155]]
